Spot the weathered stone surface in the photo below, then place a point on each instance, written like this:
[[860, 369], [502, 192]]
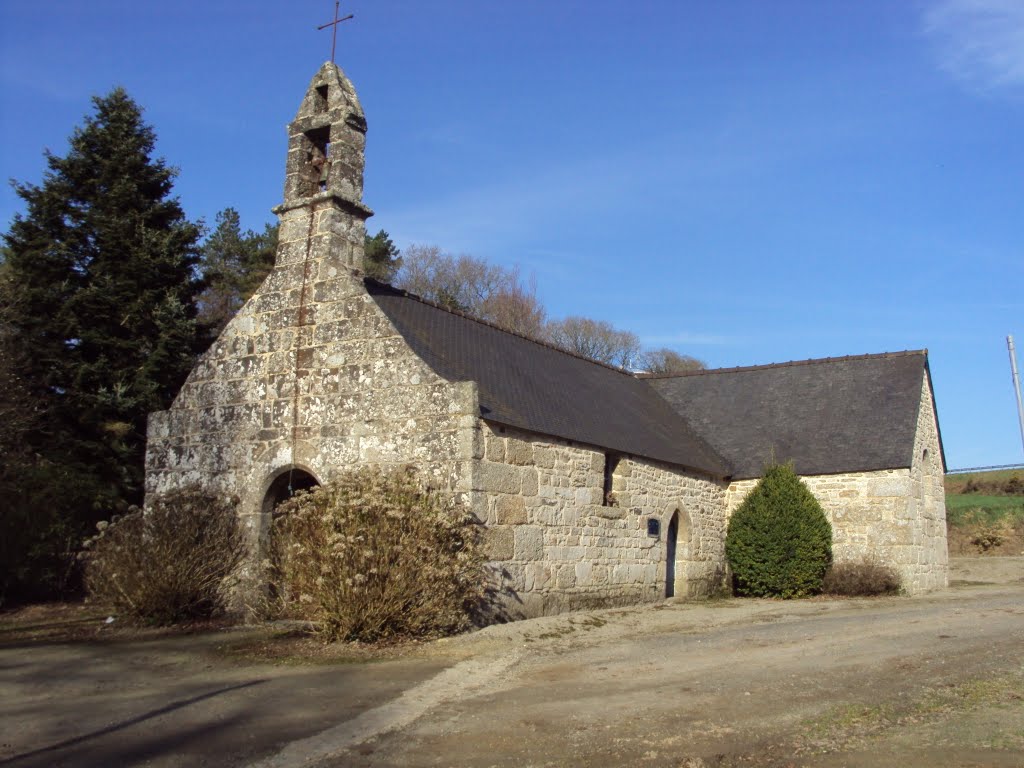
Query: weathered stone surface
[[509, 510], [499, 543], [498, 478], [518, 452], [310, 373], [494, 447], [530, 482], [594, 554], [529, 543]]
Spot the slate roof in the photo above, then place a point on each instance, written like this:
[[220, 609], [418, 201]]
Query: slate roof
[[536, 387], [827, 416]]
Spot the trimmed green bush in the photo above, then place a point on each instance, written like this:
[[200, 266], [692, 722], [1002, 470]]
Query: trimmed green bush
[[374, 555], [779, 542], [172, 562]]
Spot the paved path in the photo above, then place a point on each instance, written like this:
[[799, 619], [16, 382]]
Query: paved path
[[169, 703]]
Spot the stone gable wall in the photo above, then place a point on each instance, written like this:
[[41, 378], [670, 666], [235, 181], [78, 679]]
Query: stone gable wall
[[896, 516], [556, 546], [309, 374]]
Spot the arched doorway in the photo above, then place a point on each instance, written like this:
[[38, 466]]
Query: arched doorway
[[286, 485], [671, 542], [282, 488]]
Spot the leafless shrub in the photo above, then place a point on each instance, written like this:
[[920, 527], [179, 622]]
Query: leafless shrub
[[172, 562], [373, 555], [1012, 486], [986, 536], [861, 578]]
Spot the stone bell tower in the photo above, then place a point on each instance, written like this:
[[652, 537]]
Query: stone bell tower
[[323, 216]]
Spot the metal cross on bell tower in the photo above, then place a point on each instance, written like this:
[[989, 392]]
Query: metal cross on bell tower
[[334, 26]]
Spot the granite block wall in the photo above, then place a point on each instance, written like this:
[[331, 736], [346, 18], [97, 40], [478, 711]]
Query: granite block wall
[[558, 543]]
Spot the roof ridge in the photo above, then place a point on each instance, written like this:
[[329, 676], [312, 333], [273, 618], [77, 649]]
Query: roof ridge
[[459, 313], [790, 364]]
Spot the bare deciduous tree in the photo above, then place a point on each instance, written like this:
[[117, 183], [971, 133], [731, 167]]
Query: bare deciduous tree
[[515, 306], [499, 295], [664, 360], [471, 285], [595, 339]]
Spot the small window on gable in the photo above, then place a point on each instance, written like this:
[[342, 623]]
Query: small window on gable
[[611, 463]]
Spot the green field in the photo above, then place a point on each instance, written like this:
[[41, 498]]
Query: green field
[[969, 508], [988, 505]]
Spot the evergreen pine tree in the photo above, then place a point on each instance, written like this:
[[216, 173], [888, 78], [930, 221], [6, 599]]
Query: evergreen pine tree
[[383, 258], [104, 330], [234, 263]]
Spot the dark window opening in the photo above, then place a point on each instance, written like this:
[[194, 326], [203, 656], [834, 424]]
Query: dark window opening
[[321, 98], [358, 122], [325, 171], [671, 542], [611, 463]]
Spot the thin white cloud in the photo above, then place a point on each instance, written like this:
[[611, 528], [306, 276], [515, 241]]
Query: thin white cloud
[[690, 337], [979, 41]]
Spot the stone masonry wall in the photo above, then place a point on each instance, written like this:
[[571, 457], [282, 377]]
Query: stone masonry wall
[[926, 564], [557, 547], [653, 489], [896, 516], [310, 374]]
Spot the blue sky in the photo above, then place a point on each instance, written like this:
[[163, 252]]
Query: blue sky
[[747, 182]]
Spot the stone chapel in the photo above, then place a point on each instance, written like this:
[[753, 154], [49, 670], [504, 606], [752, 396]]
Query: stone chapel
[[597, 486]]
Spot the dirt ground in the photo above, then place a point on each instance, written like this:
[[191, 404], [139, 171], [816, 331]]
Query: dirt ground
[[929, 681]]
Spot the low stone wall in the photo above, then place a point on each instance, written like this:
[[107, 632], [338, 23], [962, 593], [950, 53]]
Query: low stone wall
[[557, 546]]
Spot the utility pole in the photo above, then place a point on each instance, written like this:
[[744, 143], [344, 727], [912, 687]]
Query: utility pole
[[1016, 385]]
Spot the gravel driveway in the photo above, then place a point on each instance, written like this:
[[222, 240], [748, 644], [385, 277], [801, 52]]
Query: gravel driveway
[[934, 680]]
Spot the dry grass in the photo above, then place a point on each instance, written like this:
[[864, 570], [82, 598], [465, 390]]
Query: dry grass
[[863, 578], [88, 622], [857, 724]]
